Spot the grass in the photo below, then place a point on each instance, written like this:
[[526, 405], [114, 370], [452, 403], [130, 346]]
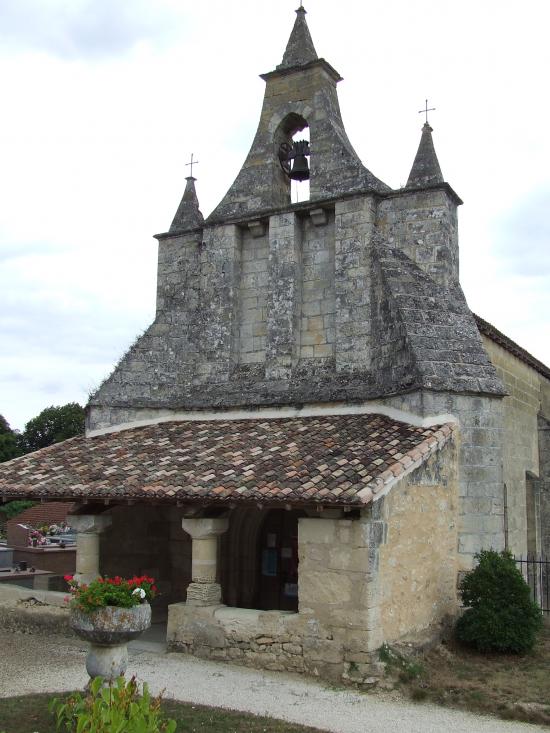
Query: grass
[[29, 714], [510, 686]]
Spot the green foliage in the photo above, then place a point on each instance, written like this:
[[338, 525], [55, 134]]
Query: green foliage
[[53, 425], [9, 441], [115, 591], [117, 708], [500, 614], [13, 508]]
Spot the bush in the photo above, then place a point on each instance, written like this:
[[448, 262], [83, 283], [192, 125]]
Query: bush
[[500, 614], [117, 707], [12, 508]]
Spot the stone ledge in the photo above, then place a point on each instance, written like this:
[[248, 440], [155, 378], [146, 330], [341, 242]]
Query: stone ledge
[[31, 618]]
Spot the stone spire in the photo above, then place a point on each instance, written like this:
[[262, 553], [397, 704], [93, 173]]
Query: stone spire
[[188, 215], [425, 170], [300, 49]]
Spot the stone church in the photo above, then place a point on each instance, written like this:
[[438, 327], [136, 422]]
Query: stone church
[[315, 435]]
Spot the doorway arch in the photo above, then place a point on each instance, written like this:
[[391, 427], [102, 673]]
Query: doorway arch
[[259, 559]]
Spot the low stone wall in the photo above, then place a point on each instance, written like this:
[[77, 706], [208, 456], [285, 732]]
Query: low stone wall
[[29, 611], [274, 640]]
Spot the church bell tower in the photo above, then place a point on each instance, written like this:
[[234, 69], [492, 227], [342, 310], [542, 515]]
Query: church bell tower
[[350, 296]]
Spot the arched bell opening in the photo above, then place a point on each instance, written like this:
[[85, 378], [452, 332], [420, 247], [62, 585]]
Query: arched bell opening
[[292, 143]]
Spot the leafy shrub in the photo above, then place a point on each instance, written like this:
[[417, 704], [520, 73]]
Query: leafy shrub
[[500, 614], [117, 707], [115, 591], [13, 508]]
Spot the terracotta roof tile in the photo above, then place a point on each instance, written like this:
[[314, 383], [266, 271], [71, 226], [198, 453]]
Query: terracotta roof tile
[[283, 459]]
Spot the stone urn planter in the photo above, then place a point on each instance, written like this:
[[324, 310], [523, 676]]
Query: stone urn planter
[[109, 630]]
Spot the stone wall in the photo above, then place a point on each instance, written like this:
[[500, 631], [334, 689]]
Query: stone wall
[[317, 307], [521, 460], [326, 638], [319, 303], [418, 563], [423, 225], [544, 486], [480, 457], [252, 316]]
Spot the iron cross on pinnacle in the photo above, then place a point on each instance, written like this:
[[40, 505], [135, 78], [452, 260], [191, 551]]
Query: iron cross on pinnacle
[[192, 163], [425, 111]]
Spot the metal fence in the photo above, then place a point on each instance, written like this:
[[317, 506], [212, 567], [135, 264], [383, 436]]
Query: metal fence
[[536, 571]]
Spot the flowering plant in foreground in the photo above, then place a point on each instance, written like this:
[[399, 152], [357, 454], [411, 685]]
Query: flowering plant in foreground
[[117, 591]]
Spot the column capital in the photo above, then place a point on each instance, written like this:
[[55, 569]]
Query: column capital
[[90, 523], [205, 528]]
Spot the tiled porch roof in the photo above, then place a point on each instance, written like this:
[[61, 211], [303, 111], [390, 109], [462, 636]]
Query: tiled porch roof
[[329, 459]]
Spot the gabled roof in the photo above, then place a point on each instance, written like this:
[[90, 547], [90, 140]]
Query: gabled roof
[[330, 459], [487, 329]]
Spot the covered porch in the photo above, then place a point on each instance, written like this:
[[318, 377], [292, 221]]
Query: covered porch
[[279, 543]]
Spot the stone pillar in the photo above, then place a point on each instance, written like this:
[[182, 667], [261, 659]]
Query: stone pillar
[[88, 528], [283, 298], [203, 589]]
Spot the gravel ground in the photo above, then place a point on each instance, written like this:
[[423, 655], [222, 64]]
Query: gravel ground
[[35, 663]]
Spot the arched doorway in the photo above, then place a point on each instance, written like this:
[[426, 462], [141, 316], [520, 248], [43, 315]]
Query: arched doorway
[[259, 559], [278, 553]]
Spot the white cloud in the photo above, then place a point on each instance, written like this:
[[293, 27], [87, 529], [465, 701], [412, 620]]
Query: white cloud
[[84, 28]]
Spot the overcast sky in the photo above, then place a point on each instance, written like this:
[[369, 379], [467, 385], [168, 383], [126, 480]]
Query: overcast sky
[[104, 100]]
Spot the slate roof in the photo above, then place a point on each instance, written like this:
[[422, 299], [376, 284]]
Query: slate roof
[[425, 170], [334, 460], [438, 333], [300, 49], [188, 216]]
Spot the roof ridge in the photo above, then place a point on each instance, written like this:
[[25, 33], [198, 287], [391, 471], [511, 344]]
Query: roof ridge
[[510, 345]]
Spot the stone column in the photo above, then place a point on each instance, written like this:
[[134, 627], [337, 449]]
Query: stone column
[[88, 528], [203, 589], [283, 297]]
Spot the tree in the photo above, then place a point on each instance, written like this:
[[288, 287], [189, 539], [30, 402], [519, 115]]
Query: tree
[[13, 508], [9, 441], [500, 614], [53, 425]]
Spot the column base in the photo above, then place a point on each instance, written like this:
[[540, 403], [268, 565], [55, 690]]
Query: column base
[[204, 594]]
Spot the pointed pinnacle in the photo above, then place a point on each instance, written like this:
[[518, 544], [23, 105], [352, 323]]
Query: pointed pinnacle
[[425, 170], [300, 49], [188, 215]]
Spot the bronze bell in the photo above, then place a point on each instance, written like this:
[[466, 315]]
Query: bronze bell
[[300, 166]]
